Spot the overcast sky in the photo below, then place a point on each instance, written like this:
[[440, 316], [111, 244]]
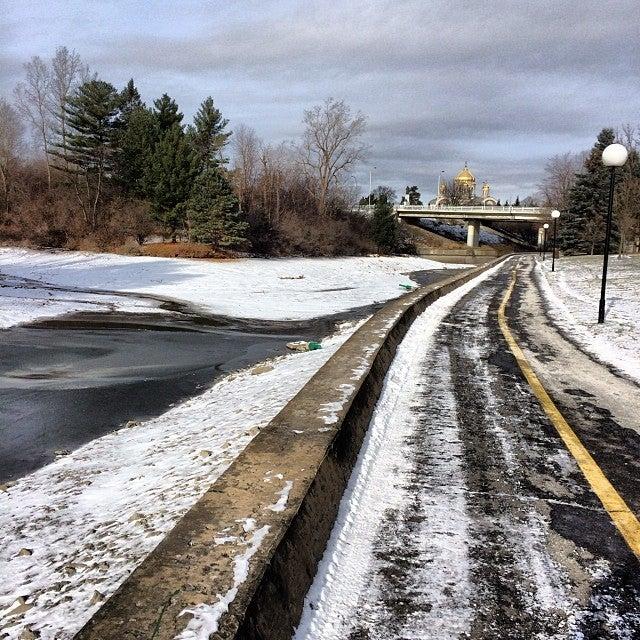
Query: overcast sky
[[503, 84]]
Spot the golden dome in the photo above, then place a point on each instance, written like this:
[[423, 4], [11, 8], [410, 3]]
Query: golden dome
[[465, 175]]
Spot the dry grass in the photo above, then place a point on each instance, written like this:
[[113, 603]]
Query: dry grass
[[182, 250]]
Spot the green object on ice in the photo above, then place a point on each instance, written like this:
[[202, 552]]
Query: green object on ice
[[313, 345], [407, 287]]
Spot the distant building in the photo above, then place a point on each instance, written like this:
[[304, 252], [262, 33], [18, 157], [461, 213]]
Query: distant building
[[464, 191]]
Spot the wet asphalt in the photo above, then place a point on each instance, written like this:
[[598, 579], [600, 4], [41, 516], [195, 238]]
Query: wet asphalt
[[544, 559]]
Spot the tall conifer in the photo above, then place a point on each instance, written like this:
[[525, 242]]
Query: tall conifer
[[582, 230], [213, 211]]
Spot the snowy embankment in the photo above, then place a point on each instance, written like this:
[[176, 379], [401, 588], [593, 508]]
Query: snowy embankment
[[274, 289], [573, 293], [74, 530]]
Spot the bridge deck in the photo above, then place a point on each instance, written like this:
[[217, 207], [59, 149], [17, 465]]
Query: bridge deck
[[519, 214]]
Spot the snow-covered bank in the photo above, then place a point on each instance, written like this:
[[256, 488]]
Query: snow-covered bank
[[74, 530], [274, 289], [573, 293]]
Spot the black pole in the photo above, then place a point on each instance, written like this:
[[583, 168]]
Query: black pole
[[607, 240], [553, 257], [544, 243]]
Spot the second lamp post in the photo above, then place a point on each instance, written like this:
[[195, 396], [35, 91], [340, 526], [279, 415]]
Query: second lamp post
[[555, 214], [615, 155]]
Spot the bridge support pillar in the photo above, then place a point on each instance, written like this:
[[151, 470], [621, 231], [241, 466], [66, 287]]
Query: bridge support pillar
[[473, 233]]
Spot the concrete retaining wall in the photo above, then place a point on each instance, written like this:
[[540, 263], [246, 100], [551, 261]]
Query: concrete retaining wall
[[255, 538]]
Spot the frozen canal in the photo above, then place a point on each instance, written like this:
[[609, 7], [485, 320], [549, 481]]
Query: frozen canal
[[66, 381]]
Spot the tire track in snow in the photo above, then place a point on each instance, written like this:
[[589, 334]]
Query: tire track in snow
[[518, 586], [449, 526], [349, 584]]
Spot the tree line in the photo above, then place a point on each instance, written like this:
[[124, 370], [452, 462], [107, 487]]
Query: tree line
[[82, 161], [577, 184]]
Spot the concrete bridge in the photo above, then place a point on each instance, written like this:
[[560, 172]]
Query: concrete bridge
[[472, 215]]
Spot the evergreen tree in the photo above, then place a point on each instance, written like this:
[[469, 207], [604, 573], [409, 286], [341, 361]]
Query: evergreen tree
[[137, 133], [130, 100], [166, 113], [385, 229], [381, 192], [208, 135], [213, 211], [136, 139], [582, 230], [89, 145], [412, 196], [169, 178]]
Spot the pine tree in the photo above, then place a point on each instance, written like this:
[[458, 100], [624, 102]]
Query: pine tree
[[130, 100], [413, 195], [385, 227], [89, 144], [169, 178], [213, 211], [166, 113], [208, 135], [582, 230], [137, 134], [136, 138]]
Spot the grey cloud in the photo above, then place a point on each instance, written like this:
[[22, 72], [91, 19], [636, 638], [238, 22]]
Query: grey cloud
[[504, 84]]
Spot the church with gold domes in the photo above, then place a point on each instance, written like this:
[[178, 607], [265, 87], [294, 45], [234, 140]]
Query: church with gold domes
[[463, 191]]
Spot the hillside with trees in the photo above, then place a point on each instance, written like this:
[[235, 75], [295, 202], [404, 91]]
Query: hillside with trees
[[84, 164]]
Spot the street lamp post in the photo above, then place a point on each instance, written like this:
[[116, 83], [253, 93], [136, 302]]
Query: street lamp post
[[555, 214], [615, 155], [545, 226], [370, 184]]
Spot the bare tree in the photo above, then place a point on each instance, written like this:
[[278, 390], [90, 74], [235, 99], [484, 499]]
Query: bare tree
[[67, 72], [455, 193], [627, 204], [276, 171], [559, 176], [11, 130], [331, 146], [245, 164], [32, 98]]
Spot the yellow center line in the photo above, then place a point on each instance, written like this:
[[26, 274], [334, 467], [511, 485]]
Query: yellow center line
[[623, 518]]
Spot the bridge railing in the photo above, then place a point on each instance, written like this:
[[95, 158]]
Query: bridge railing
[[497, 209]]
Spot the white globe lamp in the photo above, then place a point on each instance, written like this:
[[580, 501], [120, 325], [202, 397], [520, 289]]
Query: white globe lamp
[[615, 155]]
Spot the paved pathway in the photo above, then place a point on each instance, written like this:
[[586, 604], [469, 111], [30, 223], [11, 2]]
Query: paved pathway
[[472, 520]]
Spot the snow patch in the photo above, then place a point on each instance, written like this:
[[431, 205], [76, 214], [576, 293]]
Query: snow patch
[[246, 288], [284, 497], [573, 293], [205, 617]]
